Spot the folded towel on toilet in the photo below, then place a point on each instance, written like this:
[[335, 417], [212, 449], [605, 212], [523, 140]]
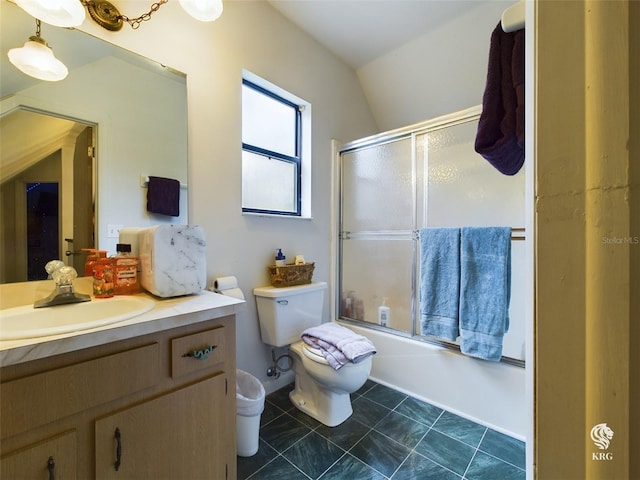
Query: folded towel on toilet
[[338, 344]]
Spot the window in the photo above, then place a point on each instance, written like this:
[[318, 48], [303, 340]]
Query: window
[[272, 151]]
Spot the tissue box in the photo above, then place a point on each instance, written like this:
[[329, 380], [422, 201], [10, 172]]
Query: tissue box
[[173, 259]]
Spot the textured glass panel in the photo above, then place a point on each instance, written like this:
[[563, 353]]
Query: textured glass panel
[[268, 123], [463, 188], [378, 188], [268, 184], [371, 270]]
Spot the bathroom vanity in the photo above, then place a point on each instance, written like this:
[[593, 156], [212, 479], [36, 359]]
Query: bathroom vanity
[[149, 397]]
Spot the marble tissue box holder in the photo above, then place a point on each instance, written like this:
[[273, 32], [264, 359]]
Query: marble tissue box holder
[[172, 259]]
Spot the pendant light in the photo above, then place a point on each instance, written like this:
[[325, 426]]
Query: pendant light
[[203, 10], [60, 13], [36, 59]]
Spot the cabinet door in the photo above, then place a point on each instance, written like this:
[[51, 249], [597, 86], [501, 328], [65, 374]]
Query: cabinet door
[[51, 458], [177, 435]]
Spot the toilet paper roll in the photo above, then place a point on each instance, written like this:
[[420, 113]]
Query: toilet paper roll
[[233, 292], [225, 283]]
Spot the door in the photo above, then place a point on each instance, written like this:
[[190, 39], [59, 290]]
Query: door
[[83, 216], [177, 435], [51, 458]]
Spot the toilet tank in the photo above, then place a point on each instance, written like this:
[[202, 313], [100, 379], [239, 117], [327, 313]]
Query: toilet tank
[[284, 313]]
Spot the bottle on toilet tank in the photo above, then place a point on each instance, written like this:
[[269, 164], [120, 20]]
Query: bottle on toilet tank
[[384, 313]]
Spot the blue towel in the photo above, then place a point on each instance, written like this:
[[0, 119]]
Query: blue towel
[[440, 282], [485, 290]]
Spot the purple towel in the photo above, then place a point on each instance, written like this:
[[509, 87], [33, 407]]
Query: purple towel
[[500, 137], [163, 196]]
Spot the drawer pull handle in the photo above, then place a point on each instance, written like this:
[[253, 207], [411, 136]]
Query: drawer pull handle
[[51, 466], [201, 354], [118, 450]]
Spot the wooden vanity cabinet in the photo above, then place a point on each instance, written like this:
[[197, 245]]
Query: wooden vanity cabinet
[[158, 406]]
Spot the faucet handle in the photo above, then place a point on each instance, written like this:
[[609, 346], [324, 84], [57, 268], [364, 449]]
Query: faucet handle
[[52, 266], [64, 275]]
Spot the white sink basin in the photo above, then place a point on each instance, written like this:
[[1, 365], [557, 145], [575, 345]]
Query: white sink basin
[[28, 322]]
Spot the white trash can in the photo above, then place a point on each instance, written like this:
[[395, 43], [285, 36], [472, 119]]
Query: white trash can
[[249, 406]]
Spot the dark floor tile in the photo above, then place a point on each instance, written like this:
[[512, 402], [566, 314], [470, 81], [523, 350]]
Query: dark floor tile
[[416, 467], [269, 413], [486, 467], [385, 396], [249, 465], [349, 467], [402, 429], [446, 451], [280, 398], [313, 454], [367, 412], [346, 434], [419, 411], [304, 418], [283, 432], [380, 452], [368, 385], [277, 470], [460, 428], [509, 449]]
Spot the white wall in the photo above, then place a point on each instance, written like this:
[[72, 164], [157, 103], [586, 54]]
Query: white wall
[[442, 71], [253, 36]]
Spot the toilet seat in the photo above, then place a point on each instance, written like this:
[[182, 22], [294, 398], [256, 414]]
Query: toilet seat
[[314, 354]]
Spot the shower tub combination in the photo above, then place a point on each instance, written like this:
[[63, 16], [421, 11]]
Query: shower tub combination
[[390, 186]]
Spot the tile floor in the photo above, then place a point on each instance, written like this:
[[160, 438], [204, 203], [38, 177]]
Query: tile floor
[[389, 436]]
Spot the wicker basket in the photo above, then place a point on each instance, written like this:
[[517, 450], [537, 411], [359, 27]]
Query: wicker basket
[[291, 275]]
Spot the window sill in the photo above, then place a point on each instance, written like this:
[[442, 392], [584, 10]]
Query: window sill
[[274, 215]]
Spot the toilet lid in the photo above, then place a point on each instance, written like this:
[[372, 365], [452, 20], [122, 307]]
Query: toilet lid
[[314, 354]]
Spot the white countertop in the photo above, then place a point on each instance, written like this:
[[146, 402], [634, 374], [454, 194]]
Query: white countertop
[[166, 314]]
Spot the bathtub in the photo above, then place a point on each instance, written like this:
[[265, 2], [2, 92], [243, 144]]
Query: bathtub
[[492, 394]]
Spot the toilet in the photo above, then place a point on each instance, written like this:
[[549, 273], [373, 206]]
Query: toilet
[[320, 391]]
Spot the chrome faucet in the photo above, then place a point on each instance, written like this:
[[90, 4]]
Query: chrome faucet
[[63, 293]]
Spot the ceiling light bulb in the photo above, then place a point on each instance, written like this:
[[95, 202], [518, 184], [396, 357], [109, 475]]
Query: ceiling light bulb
[[203, 10], [61, 13], [36, 59]]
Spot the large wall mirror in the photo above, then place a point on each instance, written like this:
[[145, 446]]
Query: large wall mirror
[[74, 153]]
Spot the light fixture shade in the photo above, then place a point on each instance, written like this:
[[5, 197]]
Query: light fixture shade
[[61, 13], [37, 60], [203, 10]]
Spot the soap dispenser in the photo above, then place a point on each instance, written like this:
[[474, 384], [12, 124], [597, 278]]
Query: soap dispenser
[[384, 313], [280, 258]]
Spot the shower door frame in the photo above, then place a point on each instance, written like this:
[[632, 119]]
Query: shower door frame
[[410, 132]]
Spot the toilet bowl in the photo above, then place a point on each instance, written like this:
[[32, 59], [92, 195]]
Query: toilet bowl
[[321, 391]]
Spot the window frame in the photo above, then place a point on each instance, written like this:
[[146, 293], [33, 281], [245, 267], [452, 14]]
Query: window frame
[[296, 160]]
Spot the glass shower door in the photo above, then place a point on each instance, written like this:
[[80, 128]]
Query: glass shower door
[[377, 233]]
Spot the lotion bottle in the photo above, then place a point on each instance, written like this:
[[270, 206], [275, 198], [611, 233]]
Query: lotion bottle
[[125, 271], [384, 313], [280, 258]]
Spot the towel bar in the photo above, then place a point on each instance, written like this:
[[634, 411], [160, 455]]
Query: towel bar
[[144, 182]]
